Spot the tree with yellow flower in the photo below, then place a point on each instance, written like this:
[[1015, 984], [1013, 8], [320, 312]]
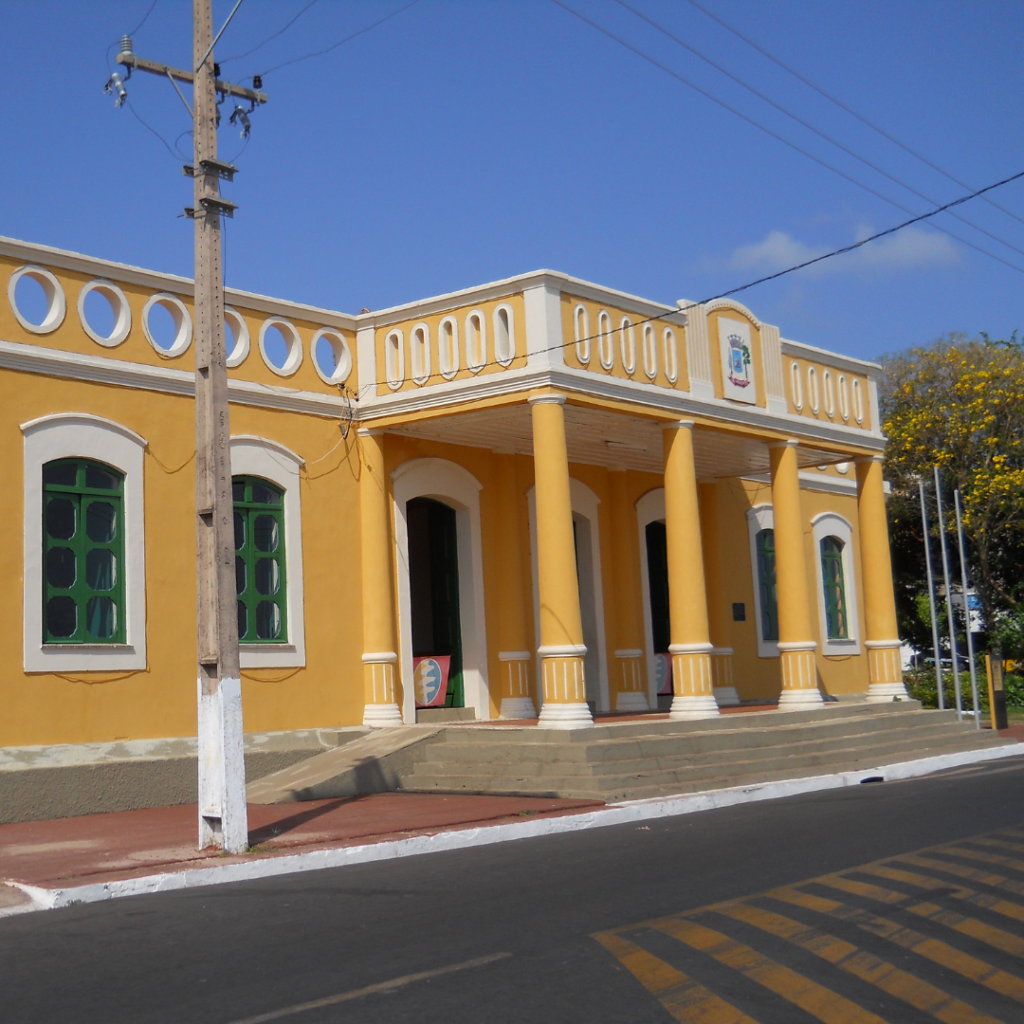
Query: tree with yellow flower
[[959, 404]]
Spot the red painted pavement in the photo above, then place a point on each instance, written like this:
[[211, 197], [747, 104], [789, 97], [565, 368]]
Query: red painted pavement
[[124, 844]]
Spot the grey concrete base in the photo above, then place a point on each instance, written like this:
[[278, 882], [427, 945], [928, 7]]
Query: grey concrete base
[[62, 781], [431, 716]]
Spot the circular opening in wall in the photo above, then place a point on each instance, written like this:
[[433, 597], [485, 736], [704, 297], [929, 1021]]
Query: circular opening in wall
[[104, 313], [331, 356], [236, 337], [280, 346], [167, 324], [37, 299]]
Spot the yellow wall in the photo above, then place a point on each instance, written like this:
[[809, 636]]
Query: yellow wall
[[433, 321], [569, 304], [823, 414], [161, 700]]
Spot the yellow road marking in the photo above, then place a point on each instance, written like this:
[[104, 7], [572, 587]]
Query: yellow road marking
[[987, 858], [919, 994], [684, 998], [1000, 843], [931, 949], [970, 926], [962, 871], [821, 1002]]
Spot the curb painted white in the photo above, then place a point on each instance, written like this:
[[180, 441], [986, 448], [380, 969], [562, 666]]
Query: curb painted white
[[461, 839]]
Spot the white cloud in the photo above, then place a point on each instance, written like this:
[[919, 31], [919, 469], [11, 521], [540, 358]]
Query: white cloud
[[907, 249]]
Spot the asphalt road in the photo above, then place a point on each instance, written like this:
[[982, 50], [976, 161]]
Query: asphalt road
[[507, 933]]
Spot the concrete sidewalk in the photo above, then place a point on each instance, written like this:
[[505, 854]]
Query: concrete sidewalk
[[130, 844]]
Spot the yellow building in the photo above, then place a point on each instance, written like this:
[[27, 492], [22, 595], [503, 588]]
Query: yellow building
[[568, 497]]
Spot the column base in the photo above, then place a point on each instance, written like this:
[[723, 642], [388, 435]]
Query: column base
[[726, 696], [631, 700], [691, 707], [517, 707], [885, 693], [565, 716], [382, 716], [800, 700]]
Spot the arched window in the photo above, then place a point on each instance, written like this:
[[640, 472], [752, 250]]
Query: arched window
[[83, 553], [650, 352], [765, 544], [836, 618], [627, 344], [260, 567], [504, 334], [796, 386], [448, 347], [671, 355], [476, 341], [419, 353], [394, 359], [605, 341], [581, 329]]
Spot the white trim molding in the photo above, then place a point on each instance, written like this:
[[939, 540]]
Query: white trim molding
[[831, 524], [182, 324], [259, 456], [290, 334], [118, 304], [760, 517], [450, 483], [56, 304], [240, 330], [81, 435]]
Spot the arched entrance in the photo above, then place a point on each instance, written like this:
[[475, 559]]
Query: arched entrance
[[434, 589], [440, 577], [650, 513]]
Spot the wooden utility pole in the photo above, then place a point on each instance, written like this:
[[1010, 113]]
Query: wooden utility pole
[[222, 812], [223, 820]]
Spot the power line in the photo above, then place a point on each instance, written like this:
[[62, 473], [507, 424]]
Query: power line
[[150, 128], [341, 42], [806, 124], [780, 273], [145, 18], [287, 25], [775, 135], [843, 106]]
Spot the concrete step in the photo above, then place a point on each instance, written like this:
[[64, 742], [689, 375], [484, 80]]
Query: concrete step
[[697, 776], [715, 744]]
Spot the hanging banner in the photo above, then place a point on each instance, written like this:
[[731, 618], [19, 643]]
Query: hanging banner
[[737, 365], [663, 674], [430, 680]]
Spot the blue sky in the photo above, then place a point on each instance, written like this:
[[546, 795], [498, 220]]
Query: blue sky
[[460, 142]]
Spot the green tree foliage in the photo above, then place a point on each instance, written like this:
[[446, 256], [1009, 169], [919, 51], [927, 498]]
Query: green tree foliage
[[959, 404]]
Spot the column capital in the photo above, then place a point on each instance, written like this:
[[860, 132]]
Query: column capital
[[370, 431], [678, 425], [789, 442], [546, 399]]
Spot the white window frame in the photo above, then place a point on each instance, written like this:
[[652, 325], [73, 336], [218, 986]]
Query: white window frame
[[81, 435], [760, 517], [257, 456], [831, 524]]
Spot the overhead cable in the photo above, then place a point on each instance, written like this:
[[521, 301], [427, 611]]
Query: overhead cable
[[341, 42], [844, 106], [779, 273], [806, 124], [284, 28], [775, 135]]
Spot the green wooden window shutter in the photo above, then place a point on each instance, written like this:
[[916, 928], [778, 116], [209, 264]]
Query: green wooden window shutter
[[765, 544], [83, 553], [260, 568], [835, 588]]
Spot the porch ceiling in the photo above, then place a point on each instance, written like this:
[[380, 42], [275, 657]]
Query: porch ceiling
[[600, 438]]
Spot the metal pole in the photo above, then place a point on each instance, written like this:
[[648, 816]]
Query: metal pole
[[931, 599], [222, 811], [967, 610], [949, 603]]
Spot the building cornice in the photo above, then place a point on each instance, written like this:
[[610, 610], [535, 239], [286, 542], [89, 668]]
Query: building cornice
[[829, 359]]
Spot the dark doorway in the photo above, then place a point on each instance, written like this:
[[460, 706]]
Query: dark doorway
[[434, 588], [657, 576]]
